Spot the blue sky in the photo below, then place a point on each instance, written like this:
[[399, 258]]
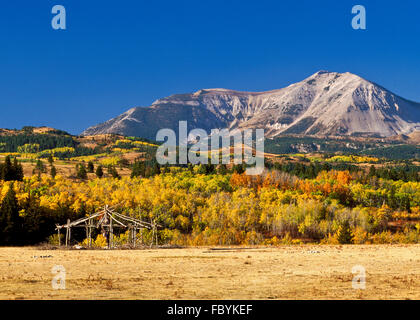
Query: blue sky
[[115, 55]]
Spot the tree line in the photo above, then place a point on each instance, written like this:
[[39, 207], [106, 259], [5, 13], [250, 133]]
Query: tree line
[[45, 141]]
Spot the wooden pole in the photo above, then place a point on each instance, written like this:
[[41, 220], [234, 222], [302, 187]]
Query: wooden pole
[[87, 231], [154, 226], [111, 232], [90, 233], [67, 232], [59, 237], [141, 236], [131, 233], [153, 234]]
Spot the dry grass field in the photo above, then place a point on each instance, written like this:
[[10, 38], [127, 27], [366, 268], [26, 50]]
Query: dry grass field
[[67, 169], [287, 272]]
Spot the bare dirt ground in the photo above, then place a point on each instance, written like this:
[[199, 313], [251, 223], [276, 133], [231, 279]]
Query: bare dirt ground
[[287, 272]]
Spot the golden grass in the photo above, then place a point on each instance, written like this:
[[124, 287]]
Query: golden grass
[[68, 169], [287, 272]]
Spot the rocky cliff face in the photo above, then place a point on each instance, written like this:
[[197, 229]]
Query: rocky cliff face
[[326, 103]]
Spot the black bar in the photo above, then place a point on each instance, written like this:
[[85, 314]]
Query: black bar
[[209, 309]]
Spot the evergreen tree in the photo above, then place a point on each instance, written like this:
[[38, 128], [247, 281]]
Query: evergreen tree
[[10, 221], [53, 171], [206, 168], [311, 172], [11, 171], [18, 170], [344, 233], [239, 168], [113, 172], [7, 170], [39, 168], [99, 171], [81, 171], [222, 169], [90, 167], [138, 170], [50, 159], [372, 171], [156, 168], [35, 222]]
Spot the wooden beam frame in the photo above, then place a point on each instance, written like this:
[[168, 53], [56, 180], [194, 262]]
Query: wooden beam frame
[[109, 219]]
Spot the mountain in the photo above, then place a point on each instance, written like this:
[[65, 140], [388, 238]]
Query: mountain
[[415, 137], [325, 104]]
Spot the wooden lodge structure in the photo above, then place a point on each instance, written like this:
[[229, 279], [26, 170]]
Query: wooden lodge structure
[[107, 221]]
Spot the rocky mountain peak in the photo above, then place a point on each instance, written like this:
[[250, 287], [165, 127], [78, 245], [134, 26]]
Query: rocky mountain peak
[[326, 103]]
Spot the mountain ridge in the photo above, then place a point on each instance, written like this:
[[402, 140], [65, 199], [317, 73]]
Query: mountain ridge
[[325, 103]]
